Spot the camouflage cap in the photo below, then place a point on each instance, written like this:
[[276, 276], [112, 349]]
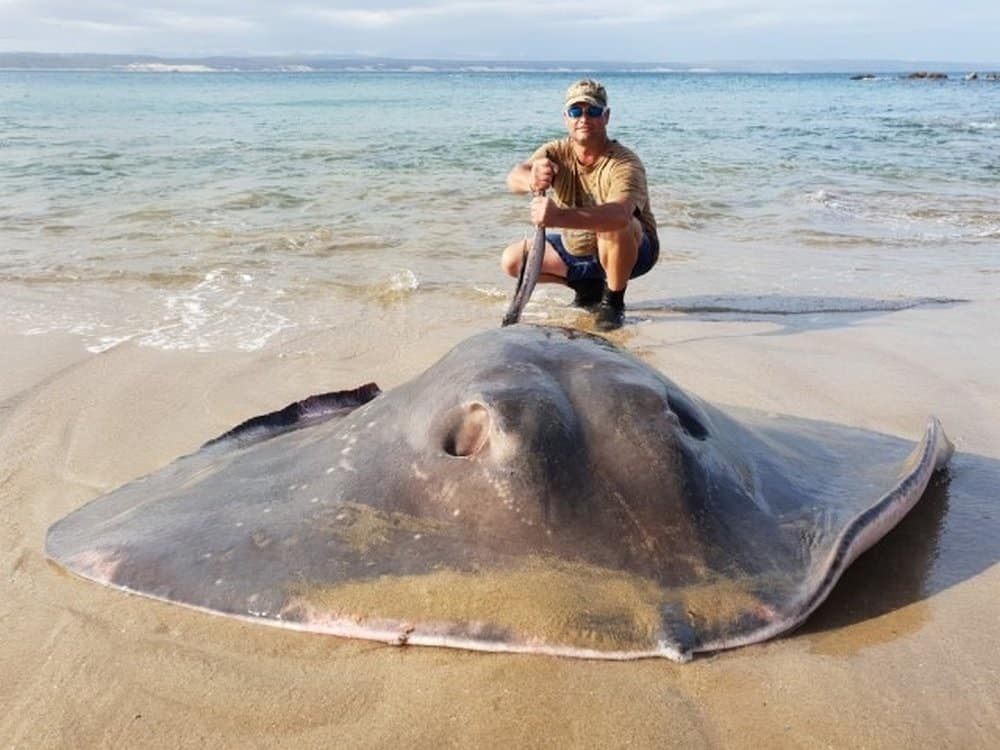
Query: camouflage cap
[[587, 90]]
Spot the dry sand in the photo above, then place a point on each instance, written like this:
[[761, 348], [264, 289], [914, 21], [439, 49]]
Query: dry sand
[[906, 652]]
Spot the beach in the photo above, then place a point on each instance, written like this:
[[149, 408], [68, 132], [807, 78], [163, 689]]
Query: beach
[[130, 338], [904, 651]]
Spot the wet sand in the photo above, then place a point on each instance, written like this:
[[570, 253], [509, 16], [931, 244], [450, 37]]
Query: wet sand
[[905, 653]]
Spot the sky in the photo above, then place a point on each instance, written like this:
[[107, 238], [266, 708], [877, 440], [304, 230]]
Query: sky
[[578, 30]]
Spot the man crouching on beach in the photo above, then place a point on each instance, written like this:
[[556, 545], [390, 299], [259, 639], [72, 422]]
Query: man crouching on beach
[[600, 202]]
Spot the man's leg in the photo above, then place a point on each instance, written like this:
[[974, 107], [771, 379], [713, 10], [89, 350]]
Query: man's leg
[[556, 270], [618, 253], [553, 269]]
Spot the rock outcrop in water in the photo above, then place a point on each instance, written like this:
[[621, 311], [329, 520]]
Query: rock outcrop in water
[[926, 76]]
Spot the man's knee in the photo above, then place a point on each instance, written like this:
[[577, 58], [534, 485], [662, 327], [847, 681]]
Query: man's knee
[[626, 239], [510, 260]]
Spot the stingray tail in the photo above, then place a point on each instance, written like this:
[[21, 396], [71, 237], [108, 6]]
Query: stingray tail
[[531, 269]]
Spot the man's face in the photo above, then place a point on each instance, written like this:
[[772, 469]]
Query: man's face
[[586, 128]]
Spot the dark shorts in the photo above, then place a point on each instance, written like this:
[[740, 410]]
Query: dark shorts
[[589, 267]]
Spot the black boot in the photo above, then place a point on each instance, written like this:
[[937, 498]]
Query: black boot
[[588, 292], [610, 314]]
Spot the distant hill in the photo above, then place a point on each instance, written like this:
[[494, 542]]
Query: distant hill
[[151, 63]]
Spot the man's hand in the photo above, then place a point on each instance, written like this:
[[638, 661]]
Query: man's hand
[[543, 212], [543, 171]]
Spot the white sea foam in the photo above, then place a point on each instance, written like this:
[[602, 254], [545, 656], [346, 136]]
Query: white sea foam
[[166, 68], [491, 291], [224, 311], [820, 196], [216, 313], [106, 343], [494, 69], [404, 281], [902, 216]]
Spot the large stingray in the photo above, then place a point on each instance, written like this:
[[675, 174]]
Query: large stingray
[[536, 490]]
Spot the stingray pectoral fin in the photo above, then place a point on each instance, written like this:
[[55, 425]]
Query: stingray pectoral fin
[[930, 454], [298, 414]]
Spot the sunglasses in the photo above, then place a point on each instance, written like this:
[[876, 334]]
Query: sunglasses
[[592, 110]]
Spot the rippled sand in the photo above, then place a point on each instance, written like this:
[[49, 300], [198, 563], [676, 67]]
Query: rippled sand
[[905, 653]]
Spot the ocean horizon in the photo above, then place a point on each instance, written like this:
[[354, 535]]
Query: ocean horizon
[[76, 61]]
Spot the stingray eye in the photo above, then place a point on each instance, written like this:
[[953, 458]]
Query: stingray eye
[[687, 416], [471, 431]]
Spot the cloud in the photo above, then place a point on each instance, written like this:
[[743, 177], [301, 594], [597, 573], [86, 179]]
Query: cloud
[[459, 10], [729, 14], [101, 27], [723, 15], [511, 29], [197, 24]]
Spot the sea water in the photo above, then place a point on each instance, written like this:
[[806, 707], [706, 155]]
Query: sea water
[[235, 211]]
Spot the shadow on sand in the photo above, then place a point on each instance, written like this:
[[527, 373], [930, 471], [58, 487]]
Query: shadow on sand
[[793, 314], [952, 535]]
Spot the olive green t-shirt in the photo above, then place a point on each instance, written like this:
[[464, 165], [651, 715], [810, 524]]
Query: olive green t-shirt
[[617, 174]]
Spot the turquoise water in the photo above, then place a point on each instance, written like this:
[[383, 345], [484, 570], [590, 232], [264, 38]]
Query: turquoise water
[[230, 210]]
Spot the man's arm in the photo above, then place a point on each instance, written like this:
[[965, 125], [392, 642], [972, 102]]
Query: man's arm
[[519, 178], [607, 217], [532, 176], [626, 191]]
